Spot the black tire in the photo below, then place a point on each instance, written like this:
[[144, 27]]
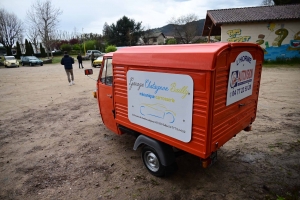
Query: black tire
[[30, 64], [152, 162], [5, 66], [41, 64], [23, 64]]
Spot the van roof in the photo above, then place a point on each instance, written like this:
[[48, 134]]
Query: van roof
[[191, 56], [110, 54]]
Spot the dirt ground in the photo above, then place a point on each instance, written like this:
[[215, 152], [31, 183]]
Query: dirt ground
[[53, 145]]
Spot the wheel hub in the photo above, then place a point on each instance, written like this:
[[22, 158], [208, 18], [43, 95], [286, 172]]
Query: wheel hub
[[151, 161]]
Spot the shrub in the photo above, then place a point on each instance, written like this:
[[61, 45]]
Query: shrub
[[77, 47], [66, 47], [171, 41], [73, 52], [47, 61], [90, 45], [110, 48]]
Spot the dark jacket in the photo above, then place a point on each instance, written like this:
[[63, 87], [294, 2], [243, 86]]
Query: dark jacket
[[67, 61], [79, 58]]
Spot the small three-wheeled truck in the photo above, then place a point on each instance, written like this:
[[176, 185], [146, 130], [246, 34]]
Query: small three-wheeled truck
[[192, 98]]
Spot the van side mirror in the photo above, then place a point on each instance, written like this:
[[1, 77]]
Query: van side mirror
[[88, 71]]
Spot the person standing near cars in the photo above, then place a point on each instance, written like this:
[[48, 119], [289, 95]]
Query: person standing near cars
[[79, 58], [68, 62], [92, 58]]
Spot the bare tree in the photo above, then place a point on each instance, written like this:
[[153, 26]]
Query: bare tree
[[267, 3], [185, 28], [44, 17], [33, 35], [10, 30], [146, 34], [63, 35]]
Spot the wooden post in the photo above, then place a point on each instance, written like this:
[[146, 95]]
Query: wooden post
[[210, 29]]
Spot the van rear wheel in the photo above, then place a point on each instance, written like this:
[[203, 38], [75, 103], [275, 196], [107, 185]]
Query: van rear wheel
[[152, 162]]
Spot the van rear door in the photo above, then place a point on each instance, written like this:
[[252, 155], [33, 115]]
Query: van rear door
[[236, 87]]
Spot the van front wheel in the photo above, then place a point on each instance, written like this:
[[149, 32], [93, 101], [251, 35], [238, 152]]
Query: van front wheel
[[152, 162]]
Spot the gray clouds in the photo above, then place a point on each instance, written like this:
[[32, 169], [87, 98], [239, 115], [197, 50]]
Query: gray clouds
[[91, 15]]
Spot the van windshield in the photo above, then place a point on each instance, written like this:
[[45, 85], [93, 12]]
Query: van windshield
[[32, 57], [9, 57], [107, 75]]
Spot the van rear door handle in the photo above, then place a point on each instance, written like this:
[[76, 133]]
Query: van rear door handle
[[241, 104], [108, 95]]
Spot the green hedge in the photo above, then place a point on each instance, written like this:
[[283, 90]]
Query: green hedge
[[58, 53], [284, 61], [47, 61]]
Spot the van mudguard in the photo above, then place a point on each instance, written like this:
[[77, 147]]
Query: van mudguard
[[165, 152]]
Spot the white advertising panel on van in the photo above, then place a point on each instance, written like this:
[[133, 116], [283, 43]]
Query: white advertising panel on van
[[162, 102], [241, 76]]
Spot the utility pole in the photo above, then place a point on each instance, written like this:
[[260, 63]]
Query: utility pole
[[83, 42]]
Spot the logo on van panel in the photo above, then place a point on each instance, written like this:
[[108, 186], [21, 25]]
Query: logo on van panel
[[241, 76], [243, 58], [234, 79]]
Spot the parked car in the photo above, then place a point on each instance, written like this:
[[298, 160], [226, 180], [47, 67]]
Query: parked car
[[96, 53], [98, 61], [31, 60], [10, 61]]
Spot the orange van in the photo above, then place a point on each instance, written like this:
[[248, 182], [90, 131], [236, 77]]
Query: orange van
[[180, 98]]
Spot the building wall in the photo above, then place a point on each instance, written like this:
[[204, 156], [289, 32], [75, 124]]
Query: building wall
[[278, 39], [160, 39]]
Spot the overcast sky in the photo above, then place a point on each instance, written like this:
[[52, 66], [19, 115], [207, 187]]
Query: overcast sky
[[89, 16]]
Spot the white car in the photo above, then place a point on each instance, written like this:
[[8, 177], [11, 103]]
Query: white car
[[10, 61], [97, 53]]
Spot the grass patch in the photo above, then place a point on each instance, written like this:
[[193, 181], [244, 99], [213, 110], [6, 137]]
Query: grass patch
[[279, 62], [56, 59]]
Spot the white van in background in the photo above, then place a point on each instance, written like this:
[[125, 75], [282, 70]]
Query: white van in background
[[97, 53]]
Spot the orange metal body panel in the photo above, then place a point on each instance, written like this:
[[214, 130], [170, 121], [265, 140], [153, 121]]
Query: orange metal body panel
[[105, 101], [213, 122], [227, 121]]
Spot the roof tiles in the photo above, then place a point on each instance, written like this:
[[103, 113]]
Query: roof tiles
[[255, 14]]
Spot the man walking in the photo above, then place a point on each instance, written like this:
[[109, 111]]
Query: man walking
[[92, 58], [68, 62], [79, 58]]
